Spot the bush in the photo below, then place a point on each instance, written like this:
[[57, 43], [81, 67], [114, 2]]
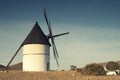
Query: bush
[[72, 67], [112, 66], [93, 69]]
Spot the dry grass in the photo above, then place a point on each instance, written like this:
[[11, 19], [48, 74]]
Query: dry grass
[[65, 75]]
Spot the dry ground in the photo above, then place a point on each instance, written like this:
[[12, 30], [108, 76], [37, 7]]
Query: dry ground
[[58, 75]]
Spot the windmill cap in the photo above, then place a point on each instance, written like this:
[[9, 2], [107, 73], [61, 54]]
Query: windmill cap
[[36, 36], [36, 22]]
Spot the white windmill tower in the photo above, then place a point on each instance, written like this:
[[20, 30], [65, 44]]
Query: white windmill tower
[[36, 53], [36, 49]]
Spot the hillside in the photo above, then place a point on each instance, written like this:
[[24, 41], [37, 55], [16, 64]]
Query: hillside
[[18, 66], [2, 67], [104, 63]]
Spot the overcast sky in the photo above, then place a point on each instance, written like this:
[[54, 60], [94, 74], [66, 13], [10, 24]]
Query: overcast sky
[[94, 27]]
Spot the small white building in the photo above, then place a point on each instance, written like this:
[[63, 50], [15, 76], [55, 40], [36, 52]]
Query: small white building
[[115, 72], [111, 73]]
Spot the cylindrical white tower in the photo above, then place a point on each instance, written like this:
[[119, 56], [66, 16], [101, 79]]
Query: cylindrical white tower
[[36, 57]]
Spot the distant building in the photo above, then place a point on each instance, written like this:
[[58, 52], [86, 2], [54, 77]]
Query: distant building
[[111, 73], [115, 72]]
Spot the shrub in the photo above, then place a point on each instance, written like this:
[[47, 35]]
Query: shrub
[[112, 66], [93, 69], [72, 67]]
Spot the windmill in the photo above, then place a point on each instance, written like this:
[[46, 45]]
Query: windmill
[[36, 48]]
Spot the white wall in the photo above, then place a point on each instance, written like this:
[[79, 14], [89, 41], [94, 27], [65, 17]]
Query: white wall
[[111, 73], [35, 57]]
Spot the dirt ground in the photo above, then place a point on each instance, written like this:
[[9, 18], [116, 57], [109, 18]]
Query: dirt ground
[[51, 75]]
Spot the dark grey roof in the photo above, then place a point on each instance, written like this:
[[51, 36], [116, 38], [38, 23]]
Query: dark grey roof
[[36, 36]]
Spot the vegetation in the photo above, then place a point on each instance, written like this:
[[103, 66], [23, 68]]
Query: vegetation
[[72, 67], [93, 69], [112, 66]]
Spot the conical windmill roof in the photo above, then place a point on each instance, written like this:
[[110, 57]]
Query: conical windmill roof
[[36, 36]]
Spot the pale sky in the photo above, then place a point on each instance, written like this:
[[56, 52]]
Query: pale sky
[[93, 25]]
